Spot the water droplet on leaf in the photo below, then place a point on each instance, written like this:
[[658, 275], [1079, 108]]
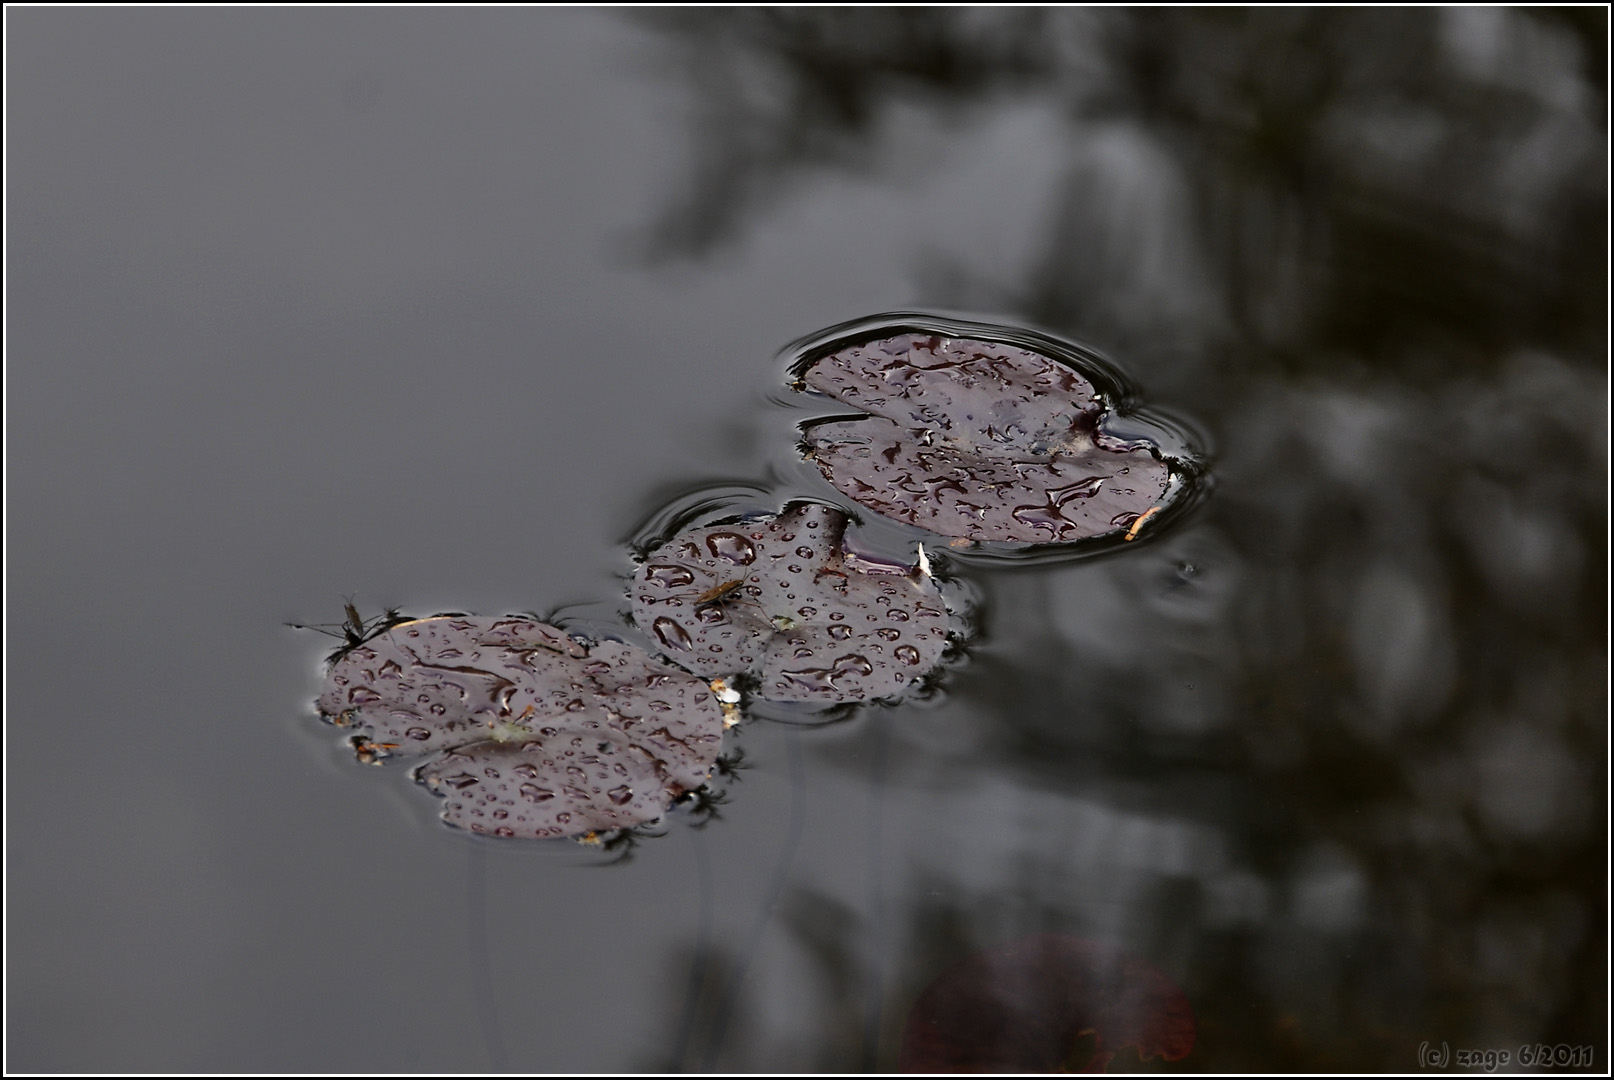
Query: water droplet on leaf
[[670, 634], [834, 598], [732, 548], [977, 439]]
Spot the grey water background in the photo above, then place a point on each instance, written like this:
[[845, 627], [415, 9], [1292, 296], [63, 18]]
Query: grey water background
[[434, 308]]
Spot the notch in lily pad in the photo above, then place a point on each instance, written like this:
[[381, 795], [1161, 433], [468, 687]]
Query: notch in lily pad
[[778, 603], [989, 434], [537, 733]]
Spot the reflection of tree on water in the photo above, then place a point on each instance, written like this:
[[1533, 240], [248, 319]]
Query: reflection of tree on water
[[1367, 248], [779, 91], [1284, 179]]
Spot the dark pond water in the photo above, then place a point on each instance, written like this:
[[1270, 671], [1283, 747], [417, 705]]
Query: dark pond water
[[438, 310]]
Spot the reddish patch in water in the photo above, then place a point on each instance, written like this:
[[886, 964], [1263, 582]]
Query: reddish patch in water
[[1045, 1003]]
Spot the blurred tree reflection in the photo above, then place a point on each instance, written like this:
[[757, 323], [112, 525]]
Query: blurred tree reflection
[[1396, 183], [782, 90], [1369, 247]]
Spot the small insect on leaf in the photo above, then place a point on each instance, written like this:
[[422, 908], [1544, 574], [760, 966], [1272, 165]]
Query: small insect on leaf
[[354, 629], [814, 625], [718, 593]]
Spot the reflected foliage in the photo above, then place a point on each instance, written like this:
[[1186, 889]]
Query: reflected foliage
[[1380, 181], [1366, 687], [1029, 1005], [780, 91]]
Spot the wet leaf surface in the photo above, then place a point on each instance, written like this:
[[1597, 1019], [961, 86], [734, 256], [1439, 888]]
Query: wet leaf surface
[[1046, 1003], [545, 735], [779, 599], [979, 440]]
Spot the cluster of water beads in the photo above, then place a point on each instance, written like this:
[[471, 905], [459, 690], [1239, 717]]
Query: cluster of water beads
[[778, 600], [539, 734], [980, 441]]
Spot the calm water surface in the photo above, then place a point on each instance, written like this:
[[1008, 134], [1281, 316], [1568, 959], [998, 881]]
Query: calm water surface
[[436, 309]]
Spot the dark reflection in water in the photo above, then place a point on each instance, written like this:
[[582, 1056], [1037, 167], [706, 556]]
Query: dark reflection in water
[[1304, 189], [1334, 754], [310, 303]]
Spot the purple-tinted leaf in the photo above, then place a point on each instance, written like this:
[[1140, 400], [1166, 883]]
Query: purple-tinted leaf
[[779, 599], [433, 683], [546, 735], [979, 440]]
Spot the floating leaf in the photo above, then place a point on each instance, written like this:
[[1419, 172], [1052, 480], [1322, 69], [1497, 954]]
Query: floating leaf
[[427, 684], [1031, 1004], [980, 440], [778, 598], [545, 735]]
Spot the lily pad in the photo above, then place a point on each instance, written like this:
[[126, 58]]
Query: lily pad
[[1033, 1004], [779, 599], [545, 735], [980, 440]]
